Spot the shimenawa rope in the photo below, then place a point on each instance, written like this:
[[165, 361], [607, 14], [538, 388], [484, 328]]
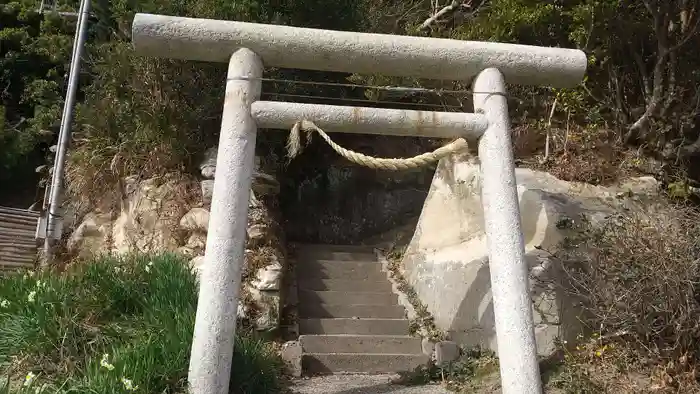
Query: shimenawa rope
[[294, 148]]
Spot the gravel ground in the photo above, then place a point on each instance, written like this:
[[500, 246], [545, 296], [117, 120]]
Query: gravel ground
[[360, 384]]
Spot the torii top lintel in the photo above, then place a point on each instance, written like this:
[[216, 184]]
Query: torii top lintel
[[362, 53]]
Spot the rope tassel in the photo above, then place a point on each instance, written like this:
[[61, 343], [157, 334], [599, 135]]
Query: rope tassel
[[294, 142], [294, 148]]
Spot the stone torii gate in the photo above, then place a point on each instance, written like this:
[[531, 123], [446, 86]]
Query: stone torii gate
[[248, 46]]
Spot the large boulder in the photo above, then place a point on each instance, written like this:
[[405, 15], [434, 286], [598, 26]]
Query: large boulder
[[263, 183], [446, 261], [148, 219], [208, 164], [197, 219], [90, 237]]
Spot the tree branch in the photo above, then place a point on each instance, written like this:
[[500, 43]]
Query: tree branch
[[687, 31], [646, 82], [452, 7], [662, 21], [15, 127], [621, 111], [672, 93]]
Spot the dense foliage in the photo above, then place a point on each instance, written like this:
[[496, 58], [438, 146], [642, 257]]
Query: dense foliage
[[34, 54], [145, 116]]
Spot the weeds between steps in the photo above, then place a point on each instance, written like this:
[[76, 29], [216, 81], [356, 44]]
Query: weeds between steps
[[474, 369], [423, 323]]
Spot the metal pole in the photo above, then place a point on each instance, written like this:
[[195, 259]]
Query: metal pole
[[78, 27], [215, 324], [47, 191], [509, 274], [54, 207]]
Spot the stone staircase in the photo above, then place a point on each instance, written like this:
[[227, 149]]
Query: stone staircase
[[350, 320]]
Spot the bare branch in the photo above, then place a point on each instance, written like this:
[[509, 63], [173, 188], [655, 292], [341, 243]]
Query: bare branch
[[452, 7], [661, 16], [549, 129], [15, 127], [646, 82], [658, 90], [590, 30], [5, 91], [687, 31], [685, 15], [591, 94], [620, 110], [672, 93]]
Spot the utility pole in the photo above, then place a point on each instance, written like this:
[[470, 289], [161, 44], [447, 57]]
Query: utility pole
[[52, 219]]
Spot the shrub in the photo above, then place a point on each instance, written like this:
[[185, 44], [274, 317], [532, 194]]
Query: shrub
[[141, 116], [636, 278], [111, 324], [578, 154]]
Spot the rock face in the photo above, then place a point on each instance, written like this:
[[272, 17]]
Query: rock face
[[265, 255], [446, 261], [170, 214], [148, 220], [337, 202], [197, 219], [91, 236]]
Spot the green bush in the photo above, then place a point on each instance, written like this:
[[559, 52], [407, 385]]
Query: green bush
[[112, 324]]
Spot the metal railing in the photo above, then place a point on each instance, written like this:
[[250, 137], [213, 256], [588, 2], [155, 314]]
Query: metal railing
[[18, 247]]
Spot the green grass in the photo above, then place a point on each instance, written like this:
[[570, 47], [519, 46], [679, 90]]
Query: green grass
[[138, 311]]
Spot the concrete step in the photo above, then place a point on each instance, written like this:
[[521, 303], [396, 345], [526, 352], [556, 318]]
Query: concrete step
[[340, 270], [348, 298], [314, 310], [308, 261], [354, 326], [320, 254], [364, 384], [321, 284], [361, 363], [391, 344], [333, 248]]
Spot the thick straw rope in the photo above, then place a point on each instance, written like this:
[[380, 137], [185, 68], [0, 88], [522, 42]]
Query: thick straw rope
[[294, 148]]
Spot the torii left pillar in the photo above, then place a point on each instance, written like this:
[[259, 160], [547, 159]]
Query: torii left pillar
[[220, 281]]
